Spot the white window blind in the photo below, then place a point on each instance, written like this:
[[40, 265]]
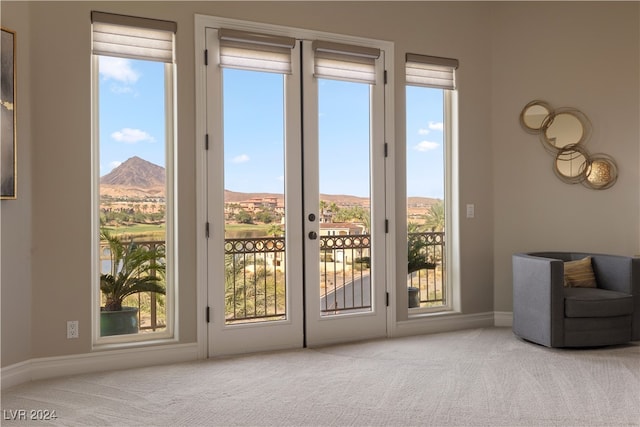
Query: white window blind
[[345, 62], [132, 37], [431, 71], [255, 51]]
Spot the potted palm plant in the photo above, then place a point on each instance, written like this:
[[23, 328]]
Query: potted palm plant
[[134, 269]]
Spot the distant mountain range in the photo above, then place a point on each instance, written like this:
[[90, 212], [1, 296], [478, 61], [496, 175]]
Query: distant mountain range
[[137, 177]]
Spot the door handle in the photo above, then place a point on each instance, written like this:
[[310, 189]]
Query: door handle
[[313, 235]]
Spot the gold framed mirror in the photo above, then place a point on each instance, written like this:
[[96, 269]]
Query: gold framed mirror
[[571, 164], [564, 127], [533, 115]]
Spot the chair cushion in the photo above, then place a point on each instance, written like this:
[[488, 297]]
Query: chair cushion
[[594, 302], [579, 274]]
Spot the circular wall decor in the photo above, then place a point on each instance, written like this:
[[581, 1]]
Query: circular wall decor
[[564, 127], [563, 133], [602, 173], [572, 163], [533, 115]]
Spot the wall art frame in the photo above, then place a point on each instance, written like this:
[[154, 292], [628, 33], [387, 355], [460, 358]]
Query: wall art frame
[[8, 143]]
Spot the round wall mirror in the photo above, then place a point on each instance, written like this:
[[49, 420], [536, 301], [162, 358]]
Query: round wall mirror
[[533, 115], [565, 127], [571, 164]]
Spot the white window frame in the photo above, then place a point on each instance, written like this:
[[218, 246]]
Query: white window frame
[[451, 211], [170, 334]]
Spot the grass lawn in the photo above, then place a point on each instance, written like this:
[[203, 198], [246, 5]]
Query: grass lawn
[[239, 231], [157, 232], [140, 231]]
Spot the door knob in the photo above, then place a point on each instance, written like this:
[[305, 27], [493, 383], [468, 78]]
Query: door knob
[[312, 217], [313, 235]]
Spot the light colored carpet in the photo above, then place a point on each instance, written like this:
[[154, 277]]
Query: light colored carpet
[[479, 377]]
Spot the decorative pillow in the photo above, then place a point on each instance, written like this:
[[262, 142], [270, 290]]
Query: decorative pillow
[[579, 274]]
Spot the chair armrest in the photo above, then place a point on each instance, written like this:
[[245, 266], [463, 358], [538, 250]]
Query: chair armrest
[[538, 299], [615, 273], [622, 274]]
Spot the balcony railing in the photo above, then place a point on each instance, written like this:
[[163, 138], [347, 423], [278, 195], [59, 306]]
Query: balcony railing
[[255, 277], [426, 267], [255, 287], [345, 267]]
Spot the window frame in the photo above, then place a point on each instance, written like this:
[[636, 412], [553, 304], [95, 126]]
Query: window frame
[[451, 208], [170, 334]]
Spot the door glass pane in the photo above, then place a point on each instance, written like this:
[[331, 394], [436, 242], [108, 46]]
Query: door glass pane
[[425, 197], [255, 288], [345, 196]]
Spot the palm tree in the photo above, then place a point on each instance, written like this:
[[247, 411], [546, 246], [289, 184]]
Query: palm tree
[[416, 253], [134, 269], [434, 218]]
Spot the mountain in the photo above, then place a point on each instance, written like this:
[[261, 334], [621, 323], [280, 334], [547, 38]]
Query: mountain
[[135, 177]]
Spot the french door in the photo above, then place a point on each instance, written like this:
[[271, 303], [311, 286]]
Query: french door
[[295, 193]]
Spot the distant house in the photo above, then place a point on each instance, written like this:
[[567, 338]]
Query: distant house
[[340, 228]]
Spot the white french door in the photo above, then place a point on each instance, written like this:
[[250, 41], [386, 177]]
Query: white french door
[[295, 188], [344, 191]]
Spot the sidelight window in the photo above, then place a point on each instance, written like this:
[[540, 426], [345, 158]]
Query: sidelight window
[[429, 98], [133, 169]]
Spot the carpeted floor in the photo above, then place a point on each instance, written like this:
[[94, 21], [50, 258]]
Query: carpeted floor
[[480, 377]]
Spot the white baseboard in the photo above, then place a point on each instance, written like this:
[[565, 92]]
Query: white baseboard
[[503, 318], [50, 367], [15, 374], [435, 323]]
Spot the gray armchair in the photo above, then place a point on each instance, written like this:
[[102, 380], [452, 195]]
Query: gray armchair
[[548, 313]]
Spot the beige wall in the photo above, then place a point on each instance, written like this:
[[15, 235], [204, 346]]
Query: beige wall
[[505, 61], [583, 55], [16, 215]]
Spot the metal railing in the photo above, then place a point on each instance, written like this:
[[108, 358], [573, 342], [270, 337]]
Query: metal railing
[[255, 285], [345, 267], [427, 267]]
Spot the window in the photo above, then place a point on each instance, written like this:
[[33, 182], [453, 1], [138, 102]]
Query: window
[[430, 84], [134, 138]]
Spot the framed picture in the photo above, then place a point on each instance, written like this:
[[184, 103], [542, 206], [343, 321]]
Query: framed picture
[[8, 115]]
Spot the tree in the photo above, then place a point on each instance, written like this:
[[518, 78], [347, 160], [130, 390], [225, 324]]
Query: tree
[[416, 249], [244, 217], [275, 230], [266, 216], [434, 218]]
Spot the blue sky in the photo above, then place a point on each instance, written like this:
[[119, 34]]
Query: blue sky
[[131, 111], [132, 124]]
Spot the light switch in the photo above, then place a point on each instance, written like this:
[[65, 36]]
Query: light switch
[[471, 210]]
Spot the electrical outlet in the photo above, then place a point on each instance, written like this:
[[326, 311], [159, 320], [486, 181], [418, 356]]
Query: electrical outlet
[[72, 329]]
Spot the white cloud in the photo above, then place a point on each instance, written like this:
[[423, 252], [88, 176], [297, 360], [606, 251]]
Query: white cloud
[[118, 69], [436, 126], [131, 136], [432, 126], [242, 158], [426, 146]]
